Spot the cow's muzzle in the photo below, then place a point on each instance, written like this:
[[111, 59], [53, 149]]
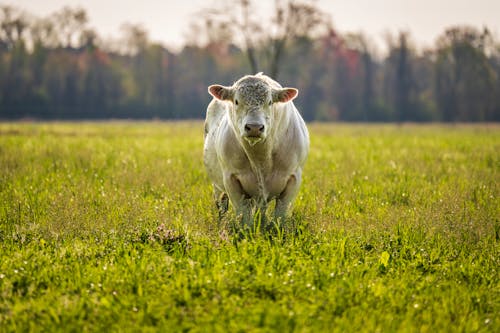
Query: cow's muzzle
[[254, 129], [254, 132]]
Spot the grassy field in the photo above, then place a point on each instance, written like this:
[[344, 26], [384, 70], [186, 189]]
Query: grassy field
[[111, 227]]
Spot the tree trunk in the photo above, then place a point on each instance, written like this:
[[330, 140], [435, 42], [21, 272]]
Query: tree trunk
[[252, 59]]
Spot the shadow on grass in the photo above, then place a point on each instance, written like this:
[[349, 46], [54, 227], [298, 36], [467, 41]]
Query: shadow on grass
[[276, 230]]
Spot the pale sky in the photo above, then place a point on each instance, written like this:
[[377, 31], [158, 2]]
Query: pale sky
[[167, 21]]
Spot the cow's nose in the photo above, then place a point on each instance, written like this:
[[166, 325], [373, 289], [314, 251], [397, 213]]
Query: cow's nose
[[254, 129]]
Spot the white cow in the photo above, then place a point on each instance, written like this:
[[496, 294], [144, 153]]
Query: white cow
[[256, 144]]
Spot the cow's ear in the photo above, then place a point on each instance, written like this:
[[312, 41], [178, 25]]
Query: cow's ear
[[284, 95], [221, 92]]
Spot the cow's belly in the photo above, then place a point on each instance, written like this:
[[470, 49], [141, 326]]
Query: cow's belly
[[273, 185]]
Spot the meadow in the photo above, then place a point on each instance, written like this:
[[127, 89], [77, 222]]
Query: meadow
[[112, 227]]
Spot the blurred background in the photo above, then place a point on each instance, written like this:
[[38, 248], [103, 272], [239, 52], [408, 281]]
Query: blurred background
[[391, 61]]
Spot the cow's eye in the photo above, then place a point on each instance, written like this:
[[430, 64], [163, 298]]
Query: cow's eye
[[270, 103], [236, 101]]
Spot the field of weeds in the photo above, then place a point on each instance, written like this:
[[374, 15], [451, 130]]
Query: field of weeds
[[111, 226]]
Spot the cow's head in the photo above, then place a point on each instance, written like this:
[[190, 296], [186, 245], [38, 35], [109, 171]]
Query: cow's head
[[252, 104]]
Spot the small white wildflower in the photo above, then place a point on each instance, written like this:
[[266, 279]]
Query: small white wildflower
[[416, 305], [269, 274], [2, 276]]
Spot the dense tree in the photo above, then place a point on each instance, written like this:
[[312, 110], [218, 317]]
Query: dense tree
[[465, 76], [70, 24], [265, 42], [399, 83], [495, 63], [57, 67]]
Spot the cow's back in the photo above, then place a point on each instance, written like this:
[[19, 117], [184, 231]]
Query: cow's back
[[215, 122], [215, 112]]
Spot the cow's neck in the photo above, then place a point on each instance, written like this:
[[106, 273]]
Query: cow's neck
[[259, 155], [261, 163]]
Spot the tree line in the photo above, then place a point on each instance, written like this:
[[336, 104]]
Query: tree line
[[57, 67]]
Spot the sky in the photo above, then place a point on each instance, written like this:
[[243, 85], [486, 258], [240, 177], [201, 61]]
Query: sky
[[167, 21]]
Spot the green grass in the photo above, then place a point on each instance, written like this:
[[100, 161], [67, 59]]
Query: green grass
[[111, 226]]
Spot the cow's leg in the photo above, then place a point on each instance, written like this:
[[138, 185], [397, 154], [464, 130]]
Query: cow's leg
[[239, 198], [286, 197], [259, 215], [221, 201]]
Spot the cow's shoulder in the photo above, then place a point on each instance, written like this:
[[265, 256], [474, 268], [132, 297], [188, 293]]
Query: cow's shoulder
[[230, 151], [292, 141]]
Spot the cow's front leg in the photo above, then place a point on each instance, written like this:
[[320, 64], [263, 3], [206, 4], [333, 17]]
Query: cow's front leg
[[239, 198], [286, 197], [221, 201]]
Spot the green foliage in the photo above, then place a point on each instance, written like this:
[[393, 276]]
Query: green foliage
[[56, 67], [112, 226], [465, 77]]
